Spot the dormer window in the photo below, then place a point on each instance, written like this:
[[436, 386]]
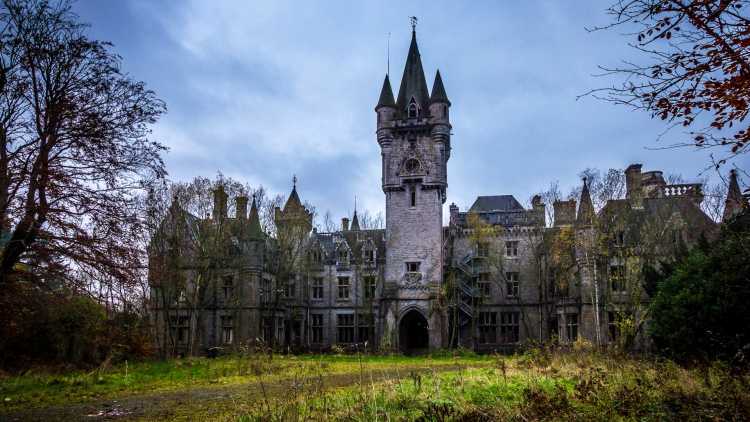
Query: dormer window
[[343, 256], [413, 110]]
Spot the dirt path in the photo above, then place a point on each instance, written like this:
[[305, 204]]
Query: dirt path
[[162, 406]]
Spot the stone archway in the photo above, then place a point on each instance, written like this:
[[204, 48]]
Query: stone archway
[[413, 336]]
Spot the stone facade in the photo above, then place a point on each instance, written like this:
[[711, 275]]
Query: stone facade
[[496, 277]]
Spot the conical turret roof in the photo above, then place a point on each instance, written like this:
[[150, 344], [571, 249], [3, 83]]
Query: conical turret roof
[[255, 232], [735, 202], [386, 95], [586, 207], [413, 83], [438, 91]]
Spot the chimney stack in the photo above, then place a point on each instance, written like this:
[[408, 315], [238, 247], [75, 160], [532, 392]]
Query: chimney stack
[[538, 206], [633, 184], [241, 211], [220, 203], [453, 214], [344, 224]]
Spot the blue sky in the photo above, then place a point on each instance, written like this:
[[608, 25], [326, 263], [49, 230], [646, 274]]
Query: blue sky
[[264, 90]]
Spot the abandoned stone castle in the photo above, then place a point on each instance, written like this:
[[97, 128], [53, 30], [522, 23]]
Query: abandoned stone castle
[[498, 276]]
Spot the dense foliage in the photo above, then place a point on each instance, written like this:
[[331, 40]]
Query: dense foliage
[[701, 308]]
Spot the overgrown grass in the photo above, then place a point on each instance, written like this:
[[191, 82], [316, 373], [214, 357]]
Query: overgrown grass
[[42, 389], [534, 386]]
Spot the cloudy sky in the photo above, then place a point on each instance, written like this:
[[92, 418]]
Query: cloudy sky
[[263, 90]]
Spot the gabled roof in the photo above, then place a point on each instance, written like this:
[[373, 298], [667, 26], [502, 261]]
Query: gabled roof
[[496, 203], [386, 95], [413, 83]]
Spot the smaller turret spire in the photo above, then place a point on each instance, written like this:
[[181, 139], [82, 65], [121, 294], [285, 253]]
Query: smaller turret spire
[[586, 208], [355, 220], [386, 95], [438, 91], [255, 232], [735, 202]]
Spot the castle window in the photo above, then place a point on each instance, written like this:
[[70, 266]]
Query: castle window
[[483, 249], [511, 284], [620, 238], [317, 288], [614, 329], [412, 267], [483, 283], [344, 286], [227, 329], [369, 287], [345, 328], [413, 110], [365, 328], [511, 248], [343, 257], [369, 255], [571, 326], [617, 277], [290, 290], [487, 327], [412, 197], [509, 327], [228, 286], [317, 328], [180, 329]]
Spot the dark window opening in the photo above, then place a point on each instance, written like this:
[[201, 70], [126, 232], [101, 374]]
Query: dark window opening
[[487, 327], [345, 326], [412, 267], [509, 327]]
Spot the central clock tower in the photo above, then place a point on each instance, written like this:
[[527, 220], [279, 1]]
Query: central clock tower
[[413, 132]]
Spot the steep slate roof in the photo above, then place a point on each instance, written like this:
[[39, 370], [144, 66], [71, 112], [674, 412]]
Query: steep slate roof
[[386, 95], [413, 83], [355, 240], [355, 221], [254, 231], [735, 202], [586, 207], [496, 203], [293, 202], [438, 91]]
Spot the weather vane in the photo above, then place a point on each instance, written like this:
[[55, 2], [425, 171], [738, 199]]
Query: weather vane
[[413, 20], [294, 181]]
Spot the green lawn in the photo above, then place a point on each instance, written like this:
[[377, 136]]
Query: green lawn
[[537, 385]]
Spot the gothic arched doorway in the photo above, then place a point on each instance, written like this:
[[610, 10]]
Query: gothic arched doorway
[[412, 333]]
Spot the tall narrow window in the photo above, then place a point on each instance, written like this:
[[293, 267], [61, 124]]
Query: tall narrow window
[[487, 327], [228, 286], [317, 288], [511, 248], [227, 329], [317, 328], [412, 197], [413, 111], [290, 290], [511, 284], [365, 328], [345, 328], [369, 287], [509, 327], [344, 288], [614, 329], [617, 277], [483, 283], [571, 326]]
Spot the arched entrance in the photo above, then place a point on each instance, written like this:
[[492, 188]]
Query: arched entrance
[[412, 333]]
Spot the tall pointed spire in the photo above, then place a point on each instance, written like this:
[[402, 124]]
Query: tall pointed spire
[[386, 95], [293, 201], [355, 220], [735, 202], [438, 91], [413, 83], [255, 232], [586, 207]]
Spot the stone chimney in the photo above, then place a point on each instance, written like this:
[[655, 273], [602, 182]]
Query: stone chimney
[[241, 211], [344, 224], [538, 206], [565, 212], [220, 203], [633, 185], [453, 208]]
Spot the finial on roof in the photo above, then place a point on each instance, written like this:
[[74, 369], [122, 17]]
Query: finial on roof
[[294, 181], [413, 20]]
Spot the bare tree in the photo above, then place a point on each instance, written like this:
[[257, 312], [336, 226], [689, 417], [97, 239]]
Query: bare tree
[[695, 71], [74, 150]]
